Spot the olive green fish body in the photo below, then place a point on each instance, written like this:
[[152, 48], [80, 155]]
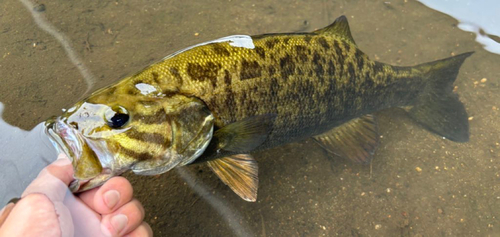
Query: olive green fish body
[[219, 100], [312, 82]]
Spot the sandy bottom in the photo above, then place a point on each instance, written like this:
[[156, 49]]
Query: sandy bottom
[[417, 185]]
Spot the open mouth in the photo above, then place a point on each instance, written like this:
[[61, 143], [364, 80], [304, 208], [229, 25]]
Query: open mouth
[[64, 138], [67, 139]]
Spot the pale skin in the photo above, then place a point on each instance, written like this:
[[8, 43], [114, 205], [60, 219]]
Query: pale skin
[[48, 208]]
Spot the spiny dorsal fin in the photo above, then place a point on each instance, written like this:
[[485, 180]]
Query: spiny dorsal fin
[[245, 135], [240, 173], [356, 139], [339, 27]]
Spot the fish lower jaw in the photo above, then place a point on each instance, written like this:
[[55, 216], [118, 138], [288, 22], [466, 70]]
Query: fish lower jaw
[[80, 185], [77, 186]]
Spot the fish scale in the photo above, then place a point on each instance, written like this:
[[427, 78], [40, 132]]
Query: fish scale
[[285, 80]]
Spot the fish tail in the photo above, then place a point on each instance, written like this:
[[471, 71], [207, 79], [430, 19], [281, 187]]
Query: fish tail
[[438, 109]]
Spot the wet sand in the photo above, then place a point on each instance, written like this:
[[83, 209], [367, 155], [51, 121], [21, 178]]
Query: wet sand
[[418, 183]]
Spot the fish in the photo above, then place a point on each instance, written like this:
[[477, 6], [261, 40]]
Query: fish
[[219, 101]]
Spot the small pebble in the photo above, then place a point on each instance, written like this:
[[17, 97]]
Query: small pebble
[[39, 8], [418, 169], [484, 80], [471, 118], [196, 34], [377, 226], [440, 211]]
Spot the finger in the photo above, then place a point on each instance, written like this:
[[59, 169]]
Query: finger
[[143, 230], [85, 220], [5, 212], [113, 194], [125, 219], [34, 208], [53, 180]]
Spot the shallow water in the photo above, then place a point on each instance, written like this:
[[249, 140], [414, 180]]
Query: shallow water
[[418, 183]]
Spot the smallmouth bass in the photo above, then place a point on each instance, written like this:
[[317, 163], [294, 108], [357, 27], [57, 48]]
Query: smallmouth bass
[[217, 101]]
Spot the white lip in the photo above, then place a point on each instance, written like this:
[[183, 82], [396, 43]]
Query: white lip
[[65, 139]]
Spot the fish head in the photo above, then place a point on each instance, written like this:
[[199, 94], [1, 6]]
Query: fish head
[[105, 135]]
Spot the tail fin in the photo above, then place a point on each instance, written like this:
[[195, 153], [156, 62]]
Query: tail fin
[[438, 108]]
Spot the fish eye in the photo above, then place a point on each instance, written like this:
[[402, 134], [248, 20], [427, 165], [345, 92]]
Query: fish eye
[[118, 117]]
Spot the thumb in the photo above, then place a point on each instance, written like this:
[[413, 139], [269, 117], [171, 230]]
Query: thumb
[[53, 182]]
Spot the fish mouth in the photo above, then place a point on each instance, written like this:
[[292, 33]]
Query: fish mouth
[[86, 163], [64, 138]]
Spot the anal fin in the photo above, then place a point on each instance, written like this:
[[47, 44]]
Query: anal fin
[[356, 139], [240, 173]]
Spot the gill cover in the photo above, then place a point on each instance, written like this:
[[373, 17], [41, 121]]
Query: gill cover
[[192, 128]]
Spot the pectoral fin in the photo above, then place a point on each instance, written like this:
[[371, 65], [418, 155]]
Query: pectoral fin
[[356, 139], [244, 135], [240, 173]]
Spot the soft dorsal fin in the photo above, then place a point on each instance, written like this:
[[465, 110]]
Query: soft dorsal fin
[[356, 139], [339, 27]]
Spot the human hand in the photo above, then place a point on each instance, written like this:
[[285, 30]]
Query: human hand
[[48, 208]]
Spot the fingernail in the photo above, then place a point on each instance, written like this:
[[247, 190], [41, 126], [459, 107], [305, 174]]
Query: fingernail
[[111, 198], [119, 222]]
